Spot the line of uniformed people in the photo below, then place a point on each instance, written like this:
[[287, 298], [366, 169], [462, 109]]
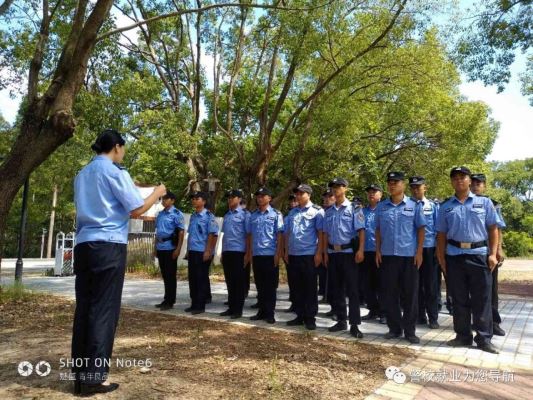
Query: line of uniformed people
[[390, 244], [382, 255]]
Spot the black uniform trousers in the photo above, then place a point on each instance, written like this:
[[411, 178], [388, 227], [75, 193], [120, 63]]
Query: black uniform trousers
[[248, 275], [400, 284], [470, 282], [291, 277], [371, 275], [198, 271], [496, 318], [266, 276], [168, 267], [428, 287], [322, 279], [99, 268], [344, 275], [305, 296], [235, 276]]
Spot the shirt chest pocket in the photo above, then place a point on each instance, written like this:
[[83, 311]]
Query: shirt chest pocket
[[407, 215], [478, 214], [346, 218]]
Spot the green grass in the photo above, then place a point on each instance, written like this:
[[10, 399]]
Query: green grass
[[16, 292]]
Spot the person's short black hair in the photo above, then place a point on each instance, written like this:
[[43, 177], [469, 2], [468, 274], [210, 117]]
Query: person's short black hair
[[107, 140], [170, 196]]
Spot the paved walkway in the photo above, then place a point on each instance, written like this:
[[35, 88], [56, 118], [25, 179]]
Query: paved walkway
[[437, 371]]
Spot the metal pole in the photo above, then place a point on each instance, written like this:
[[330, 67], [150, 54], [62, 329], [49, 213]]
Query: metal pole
[[22, 232]]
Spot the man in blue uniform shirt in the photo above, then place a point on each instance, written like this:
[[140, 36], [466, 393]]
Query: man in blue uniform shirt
[[265, 230], [328, 199], [291, 275], [342, 223], [303, 251], [369, 269], [170, 226], [428, 287], [234, 250], [201, 242], [478, 187], [400, 223], [467, 232]]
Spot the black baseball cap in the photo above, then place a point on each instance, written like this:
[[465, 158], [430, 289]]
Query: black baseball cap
[[479, 177], [197, 195], [460, 170], [338, 182], [263, 191], [303, 188], [395, 176], [170, 196], [328, 193], [373, 187], [234, 193], [417, 180]]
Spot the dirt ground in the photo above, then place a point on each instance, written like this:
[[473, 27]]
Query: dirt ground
[[190, 358]]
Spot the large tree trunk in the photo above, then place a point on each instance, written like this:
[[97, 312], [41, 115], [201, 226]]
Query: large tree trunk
[[48, 121]]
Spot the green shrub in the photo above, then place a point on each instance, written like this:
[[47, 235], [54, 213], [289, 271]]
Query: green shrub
[[517, 244]]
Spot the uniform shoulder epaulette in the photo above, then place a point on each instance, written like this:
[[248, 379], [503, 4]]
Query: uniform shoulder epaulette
[[277, 211], [119, 166], [494, 202], [316, 207]]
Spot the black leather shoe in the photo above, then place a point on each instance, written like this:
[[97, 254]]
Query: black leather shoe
[[295, 322], [256, 305], [392, 335], [226, 313], [413, 339], [434, 325], [166, 307], [256, 317], [160, 304], [355, 332], [89, 390], [459, 342], [339, 326], [188, 309], [497, 330], [370, 316], [197, 311], [310, 326], [236, 316], [270, 320], [488, 347], [383, 320]]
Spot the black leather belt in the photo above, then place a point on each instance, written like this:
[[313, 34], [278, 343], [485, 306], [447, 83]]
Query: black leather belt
[[161, 240], [466, 245], [339, 247]]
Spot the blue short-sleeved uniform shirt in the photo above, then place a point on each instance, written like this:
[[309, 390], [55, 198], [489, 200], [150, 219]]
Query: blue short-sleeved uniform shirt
[[466, 222], [264, 228], [200, 226], [370, 228], [104, 195], [166, 223], [341, 223], [398, 226], [431, 211], [234, 228], [302, 227]]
